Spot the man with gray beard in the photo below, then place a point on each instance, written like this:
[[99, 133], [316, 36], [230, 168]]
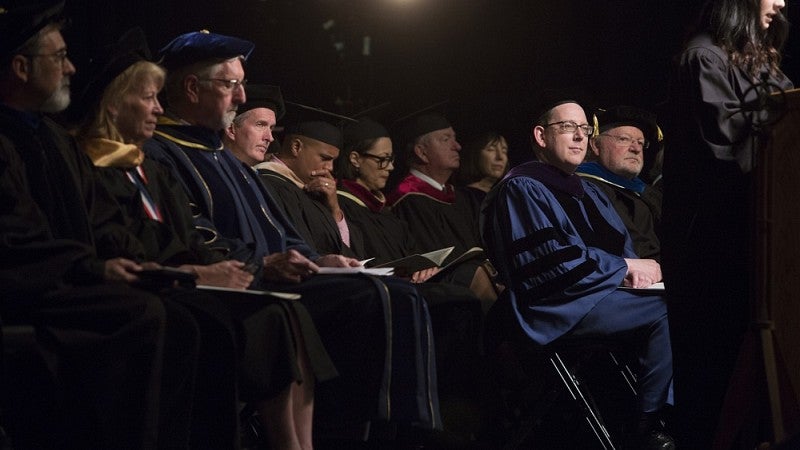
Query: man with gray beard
[[92, 378]]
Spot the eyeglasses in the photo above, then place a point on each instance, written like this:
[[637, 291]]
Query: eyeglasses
[[230, 85], [626, 141], [568, 126], [60, 57], [383, 161]]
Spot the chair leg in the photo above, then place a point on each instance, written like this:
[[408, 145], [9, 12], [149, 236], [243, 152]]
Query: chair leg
[[583, 400], [626, 372]]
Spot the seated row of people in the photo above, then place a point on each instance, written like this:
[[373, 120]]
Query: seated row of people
[[366, 165], [166, 366], [143, 188], [377, 331]]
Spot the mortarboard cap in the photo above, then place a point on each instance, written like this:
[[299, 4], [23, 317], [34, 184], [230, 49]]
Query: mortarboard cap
[[197, 46], [605, 119], [364, 130], [111, 61], [22, 21], [264, 96], [420, 122], [316, 123]]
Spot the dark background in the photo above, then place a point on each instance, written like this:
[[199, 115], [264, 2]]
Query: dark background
[[487, 59]]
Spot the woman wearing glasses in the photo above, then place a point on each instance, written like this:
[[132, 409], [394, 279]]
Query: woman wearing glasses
[[269, 355], [725, 71], [362, 169]]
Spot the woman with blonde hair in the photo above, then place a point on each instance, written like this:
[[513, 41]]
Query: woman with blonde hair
[[265, 350]]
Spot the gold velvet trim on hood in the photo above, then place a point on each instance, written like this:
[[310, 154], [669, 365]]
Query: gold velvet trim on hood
[[108, 153], [274, 164]]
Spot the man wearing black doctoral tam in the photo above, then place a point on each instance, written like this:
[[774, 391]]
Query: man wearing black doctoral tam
[[436, 215], [301, 174], [381, 348], [564, 255], [617, 157], [92, 377]]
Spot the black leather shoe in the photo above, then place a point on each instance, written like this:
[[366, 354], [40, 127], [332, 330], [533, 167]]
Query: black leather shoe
[[656, 440]]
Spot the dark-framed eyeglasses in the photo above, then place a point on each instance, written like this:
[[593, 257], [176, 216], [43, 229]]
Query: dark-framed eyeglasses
[[383, 161], [60, 57], [230, 85], [626, 141], [569, 126]]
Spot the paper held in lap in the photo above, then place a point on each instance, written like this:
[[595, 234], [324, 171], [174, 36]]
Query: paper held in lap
[[655, 288], [383, 271], [247, 293], [406, 266]]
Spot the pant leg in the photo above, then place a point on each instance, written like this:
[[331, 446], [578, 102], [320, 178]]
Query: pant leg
[[641, 320], [414, 392], [351, 320], [98, 370], [204, 413]]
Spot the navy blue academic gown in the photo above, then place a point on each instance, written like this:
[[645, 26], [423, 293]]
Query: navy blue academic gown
[[377, 331], [560, 249]]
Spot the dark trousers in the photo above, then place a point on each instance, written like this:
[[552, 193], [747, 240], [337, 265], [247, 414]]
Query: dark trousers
[[95, 380], [642, 321], [378, 334]]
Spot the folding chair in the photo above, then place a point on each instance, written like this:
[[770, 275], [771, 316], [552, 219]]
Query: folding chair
[[548, 378]]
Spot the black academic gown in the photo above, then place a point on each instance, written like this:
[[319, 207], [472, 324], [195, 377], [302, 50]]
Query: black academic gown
[[438, 219], [94, 379], [387, 237], [708, 226], [435, 221], [311, 217], [244, 338], [639, 211], [455, 311], [377, 331]]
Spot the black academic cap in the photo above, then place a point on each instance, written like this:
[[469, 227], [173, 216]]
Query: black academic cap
[[549, 98], [111, 61], [264, 96], [618, 116], [420, 122], [316, 123], [364, 130], [23, 20], [197, 46]]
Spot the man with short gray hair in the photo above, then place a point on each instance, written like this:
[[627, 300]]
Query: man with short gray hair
[[366, 334]]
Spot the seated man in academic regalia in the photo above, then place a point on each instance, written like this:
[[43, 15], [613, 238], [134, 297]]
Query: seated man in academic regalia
[[563, 253], [430, 205], [379, 347], [92, 375], [614, 165], [300, 173]]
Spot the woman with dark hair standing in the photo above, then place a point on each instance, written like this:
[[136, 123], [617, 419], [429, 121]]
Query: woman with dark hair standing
[[723, 74]]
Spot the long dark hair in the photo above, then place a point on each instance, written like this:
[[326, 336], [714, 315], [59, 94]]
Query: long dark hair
[[735, 25]]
